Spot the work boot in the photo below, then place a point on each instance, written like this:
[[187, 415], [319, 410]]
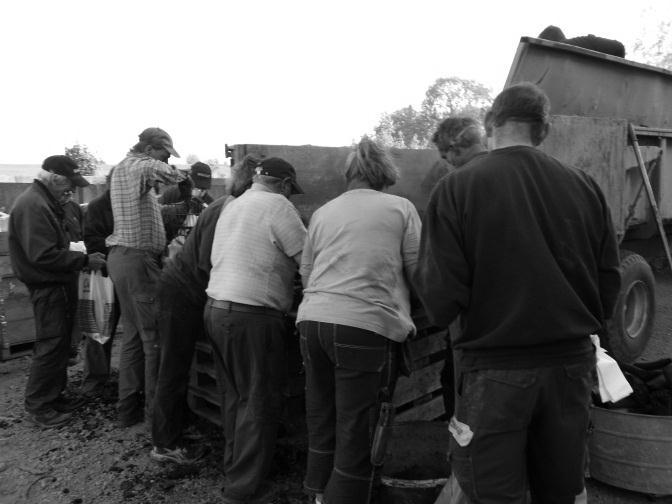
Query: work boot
[[64, 404], [49, 418]]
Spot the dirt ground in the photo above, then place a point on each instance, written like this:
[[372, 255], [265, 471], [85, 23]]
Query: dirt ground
[[92, 461]]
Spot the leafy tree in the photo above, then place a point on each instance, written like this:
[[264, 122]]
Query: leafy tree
[[655, 46], [87, 162], [411, 128]]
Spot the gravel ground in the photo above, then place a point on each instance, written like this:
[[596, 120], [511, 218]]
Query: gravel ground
[[92, 461]]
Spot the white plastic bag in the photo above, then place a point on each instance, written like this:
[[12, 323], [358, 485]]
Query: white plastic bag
[[612, 382], [95, 308]]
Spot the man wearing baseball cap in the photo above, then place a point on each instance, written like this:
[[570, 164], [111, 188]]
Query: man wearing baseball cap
[[192, 193], [40, 253], [255, 255], [134, 261]]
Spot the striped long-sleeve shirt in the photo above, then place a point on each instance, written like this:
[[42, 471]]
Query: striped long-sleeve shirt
[[137, 214]]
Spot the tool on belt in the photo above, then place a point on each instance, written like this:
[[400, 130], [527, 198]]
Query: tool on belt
[[382, 434]]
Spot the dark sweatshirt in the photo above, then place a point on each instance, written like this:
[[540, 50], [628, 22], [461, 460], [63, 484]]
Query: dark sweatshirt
[[190, 268], [524, 248], [98, 223], [39, 246]]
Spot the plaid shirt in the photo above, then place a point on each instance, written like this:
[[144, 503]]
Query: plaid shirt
[[135, 207]]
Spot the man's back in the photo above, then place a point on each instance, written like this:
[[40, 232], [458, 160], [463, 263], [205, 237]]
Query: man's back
[[255, 239], [530, 244]]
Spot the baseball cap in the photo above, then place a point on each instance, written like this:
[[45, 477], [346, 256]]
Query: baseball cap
[[201, 175], [279, 168], [157, 136], [523, 102], [65, 166]]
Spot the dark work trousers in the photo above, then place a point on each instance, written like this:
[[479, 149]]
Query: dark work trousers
[[180, 325], [529, 427], [135, 274], [54, 308], [97, 357], [250, 358], [347, 371]]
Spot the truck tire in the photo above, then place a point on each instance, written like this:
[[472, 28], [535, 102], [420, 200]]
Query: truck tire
[[632, 324]]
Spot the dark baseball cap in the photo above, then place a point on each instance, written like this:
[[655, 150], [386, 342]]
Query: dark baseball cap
[[65, 166], [157, 136], [279, 168], [201, 175]]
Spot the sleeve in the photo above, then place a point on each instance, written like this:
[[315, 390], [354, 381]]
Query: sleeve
[[158, 171], [287, 231], [37, 233], [609, 276], [442, 277], [410, 243], [307, 257]]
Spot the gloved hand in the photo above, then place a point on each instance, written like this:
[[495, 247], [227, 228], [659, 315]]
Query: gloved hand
[[96, 261], [196, 205]]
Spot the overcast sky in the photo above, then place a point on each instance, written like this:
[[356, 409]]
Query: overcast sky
[[252, 71]]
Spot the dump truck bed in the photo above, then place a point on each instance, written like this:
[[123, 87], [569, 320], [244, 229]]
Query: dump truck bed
[[582, 82]]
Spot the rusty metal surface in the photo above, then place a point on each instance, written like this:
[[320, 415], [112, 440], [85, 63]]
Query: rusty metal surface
[[319, 171], [587, 83], [595, 146]]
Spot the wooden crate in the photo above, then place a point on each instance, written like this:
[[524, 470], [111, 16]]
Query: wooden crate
[[4, 243], [17, 322], [418, 397]]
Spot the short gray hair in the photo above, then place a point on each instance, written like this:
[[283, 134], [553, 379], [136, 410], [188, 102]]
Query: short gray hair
[[372, 164]]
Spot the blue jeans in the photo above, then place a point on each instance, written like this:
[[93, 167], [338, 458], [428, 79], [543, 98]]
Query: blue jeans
[[529, 430], [348, 370], [135, 274]]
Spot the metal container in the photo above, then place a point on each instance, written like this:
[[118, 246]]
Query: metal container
[[416, 467], [631, 451]]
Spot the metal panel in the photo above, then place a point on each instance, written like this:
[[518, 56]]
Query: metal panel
[[595, 146], [319, 171], [588, 83]]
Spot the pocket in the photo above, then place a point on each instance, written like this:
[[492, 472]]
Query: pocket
[[50, 310], [364, 358], [579, 380], [303, 347], [497, 400], [146, 314]]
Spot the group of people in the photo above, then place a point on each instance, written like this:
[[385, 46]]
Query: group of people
[[515, 244]]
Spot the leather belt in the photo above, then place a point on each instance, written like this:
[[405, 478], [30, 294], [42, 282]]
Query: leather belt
[[244, 308]]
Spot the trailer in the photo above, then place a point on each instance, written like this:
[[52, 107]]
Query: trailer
[[612, 118]]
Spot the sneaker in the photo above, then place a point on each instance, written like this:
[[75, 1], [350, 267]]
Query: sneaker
[[49, 418], [178, 455], [64, 404]]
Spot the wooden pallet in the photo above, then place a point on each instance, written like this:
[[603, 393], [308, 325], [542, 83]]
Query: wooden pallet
[[17, 321], [418, 397]]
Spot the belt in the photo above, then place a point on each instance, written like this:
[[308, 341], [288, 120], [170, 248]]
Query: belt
[[244, 308]]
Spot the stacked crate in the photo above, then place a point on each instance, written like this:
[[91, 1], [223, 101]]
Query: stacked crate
[[418, 397], [17, 323]]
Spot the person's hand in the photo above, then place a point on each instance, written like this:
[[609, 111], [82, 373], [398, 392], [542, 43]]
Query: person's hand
[[198, 193], [195, 205], [96, 261]]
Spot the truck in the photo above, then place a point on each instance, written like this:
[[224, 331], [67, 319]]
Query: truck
[[610, 118]]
